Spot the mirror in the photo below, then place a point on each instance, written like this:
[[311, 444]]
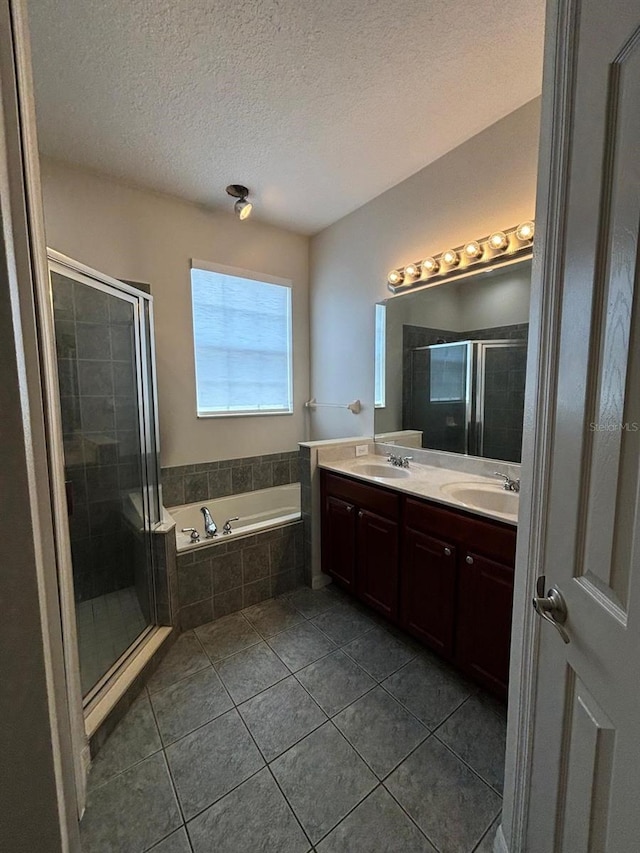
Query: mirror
[[450, 364]]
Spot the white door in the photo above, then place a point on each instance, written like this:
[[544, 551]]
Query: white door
[[585, 773]]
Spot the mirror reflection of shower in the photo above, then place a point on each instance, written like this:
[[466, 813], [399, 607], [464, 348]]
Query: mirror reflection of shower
[[105, 377]]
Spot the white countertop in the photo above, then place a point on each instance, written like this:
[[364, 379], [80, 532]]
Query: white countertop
[[426, 481]]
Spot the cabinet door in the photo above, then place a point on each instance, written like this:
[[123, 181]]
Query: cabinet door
[[428, 590], [485, 600], [377, 579], [339, 541]]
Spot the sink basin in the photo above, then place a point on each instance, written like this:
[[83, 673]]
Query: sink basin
[[488, 497], [383, 472]]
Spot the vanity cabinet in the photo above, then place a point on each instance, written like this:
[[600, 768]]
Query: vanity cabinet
[[360, 540], [445, 576]]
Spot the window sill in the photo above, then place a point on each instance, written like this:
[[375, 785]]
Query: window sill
[[206, 415]]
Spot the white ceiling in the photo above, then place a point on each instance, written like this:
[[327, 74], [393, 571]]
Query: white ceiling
[[316, 105]]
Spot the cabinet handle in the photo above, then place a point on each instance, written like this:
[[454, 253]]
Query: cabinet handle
[[349, 508], [447, 552], [360, 514], [469, 560]]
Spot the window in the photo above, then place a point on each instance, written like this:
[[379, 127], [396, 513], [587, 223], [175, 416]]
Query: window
[[380, 356], [243, 342]]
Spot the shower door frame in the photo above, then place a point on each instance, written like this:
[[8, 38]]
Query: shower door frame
[[480, 347], [97, 698]]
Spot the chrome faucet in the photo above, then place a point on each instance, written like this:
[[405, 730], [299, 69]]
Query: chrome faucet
[[226, 528], [210, 528], [399, 461], [509, 484], [195, 536]]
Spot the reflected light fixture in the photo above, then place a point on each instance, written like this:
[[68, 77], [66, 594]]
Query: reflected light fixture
[[498, 240], [525, 232], [242, 207], [450, 258]]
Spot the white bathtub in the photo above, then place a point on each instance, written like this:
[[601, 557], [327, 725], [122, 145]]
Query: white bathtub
[[257, 511]]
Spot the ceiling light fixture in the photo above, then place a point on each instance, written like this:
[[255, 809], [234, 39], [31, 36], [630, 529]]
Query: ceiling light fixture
[[496, 250], [242, 207]]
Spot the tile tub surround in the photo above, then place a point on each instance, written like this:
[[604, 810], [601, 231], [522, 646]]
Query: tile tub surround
[[224, 577], [391, 752], [204, 481]]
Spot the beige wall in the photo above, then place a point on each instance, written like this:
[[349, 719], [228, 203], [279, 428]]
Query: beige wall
[[488, 182], [142, 236]]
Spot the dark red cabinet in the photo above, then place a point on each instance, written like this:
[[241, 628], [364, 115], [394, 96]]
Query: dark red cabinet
[[485, 602], [444, 575], [377, 562], [429, 590]]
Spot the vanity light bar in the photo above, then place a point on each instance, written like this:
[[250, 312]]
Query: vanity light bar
[[497, 248]]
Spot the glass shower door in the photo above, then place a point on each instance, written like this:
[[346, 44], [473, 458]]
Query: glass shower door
[[502, 367], [106, 397]]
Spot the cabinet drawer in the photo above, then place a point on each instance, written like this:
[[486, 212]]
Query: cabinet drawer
[[491, 538], [373, 498]]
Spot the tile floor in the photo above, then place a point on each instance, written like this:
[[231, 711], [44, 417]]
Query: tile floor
[[107, 625], [301, 724]]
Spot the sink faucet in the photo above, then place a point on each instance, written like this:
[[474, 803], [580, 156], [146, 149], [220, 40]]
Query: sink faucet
[[210, 527], [509, 484], [399, 461]]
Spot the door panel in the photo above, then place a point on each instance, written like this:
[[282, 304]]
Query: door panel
[[586, 733], [339, 541], [377, 580], [429, 589]]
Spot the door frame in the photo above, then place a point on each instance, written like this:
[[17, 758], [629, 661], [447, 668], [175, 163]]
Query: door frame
[[542, 373]]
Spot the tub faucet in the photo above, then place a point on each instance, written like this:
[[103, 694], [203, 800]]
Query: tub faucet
[[210, 528], [195, 536], [509, 484], [226, 528]]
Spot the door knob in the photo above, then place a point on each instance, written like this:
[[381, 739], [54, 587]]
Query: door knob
[[551, 607]]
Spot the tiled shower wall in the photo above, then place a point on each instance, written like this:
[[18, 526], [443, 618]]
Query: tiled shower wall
[[223, 577], [185, 484]]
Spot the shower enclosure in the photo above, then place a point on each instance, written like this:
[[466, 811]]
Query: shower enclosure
[[104, 332], [468, 397]]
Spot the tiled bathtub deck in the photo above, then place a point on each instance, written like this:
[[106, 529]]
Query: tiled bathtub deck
[[301, 724]]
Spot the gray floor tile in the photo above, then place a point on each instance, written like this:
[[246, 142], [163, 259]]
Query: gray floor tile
[[273, 616], [343, 623], [301, 645], [251, 671], [427, 689], [335, 681], [281, 716], [379, 653], [184, 658], [323, 778], [312, 602], [477, 735], [377, 825], [227, 636], [486, 845], [189, 703], [132, 811], [448, 802], [177, 842], [209, 762], [382, 731], [254, 817], [134, 738]]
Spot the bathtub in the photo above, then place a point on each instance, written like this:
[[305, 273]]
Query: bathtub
[[257, 511]]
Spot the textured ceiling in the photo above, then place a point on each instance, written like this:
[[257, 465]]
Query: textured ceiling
[[316, 105]]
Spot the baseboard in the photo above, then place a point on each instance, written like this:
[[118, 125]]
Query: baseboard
[[499, 843]]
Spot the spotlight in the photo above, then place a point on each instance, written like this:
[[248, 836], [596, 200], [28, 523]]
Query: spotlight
[[242, 207]]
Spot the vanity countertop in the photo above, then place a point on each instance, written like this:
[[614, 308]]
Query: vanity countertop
[[474, 493]]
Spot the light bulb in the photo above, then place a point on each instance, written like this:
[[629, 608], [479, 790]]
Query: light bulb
[[412, 270], [395, 276], [525, 232], [498, 240], [243, 208], [450, 258], [473, 250], [430, 265]]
